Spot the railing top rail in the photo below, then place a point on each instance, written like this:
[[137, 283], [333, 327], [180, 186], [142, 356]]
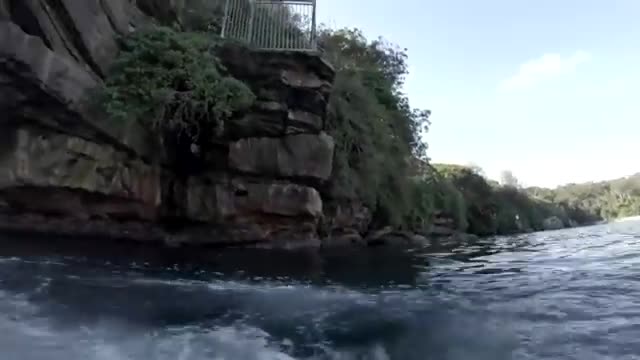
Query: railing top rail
[[306, 2], [272, 24]]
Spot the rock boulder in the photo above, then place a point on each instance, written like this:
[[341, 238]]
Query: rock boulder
[[296, 156], [553, 223]]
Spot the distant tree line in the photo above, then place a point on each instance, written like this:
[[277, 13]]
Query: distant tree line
[[506, 207], [605, 200], [492, 208]]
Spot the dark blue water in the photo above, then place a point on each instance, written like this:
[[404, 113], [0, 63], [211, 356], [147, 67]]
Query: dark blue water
[[572, 294]]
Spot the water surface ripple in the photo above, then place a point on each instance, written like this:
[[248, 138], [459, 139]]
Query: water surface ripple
[[570, 294]]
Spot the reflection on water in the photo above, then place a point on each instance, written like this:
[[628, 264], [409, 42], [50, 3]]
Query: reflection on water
[[571, 294]]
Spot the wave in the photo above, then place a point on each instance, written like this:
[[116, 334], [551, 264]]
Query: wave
[[573, 290], [278, 321]]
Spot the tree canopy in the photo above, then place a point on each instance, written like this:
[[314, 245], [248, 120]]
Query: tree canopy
[[605, 200]]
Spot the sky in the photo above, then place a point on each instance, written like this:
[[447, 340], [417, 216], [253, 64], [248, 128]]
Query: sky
[[548, 89]]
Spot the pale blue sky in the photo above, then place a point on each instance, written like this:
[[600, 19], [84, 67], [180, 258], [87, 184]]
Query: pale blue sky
[[546, 88]]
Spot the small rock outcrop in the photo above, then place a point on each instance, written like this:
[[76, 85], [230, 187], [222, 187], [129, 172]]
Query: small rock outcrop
[[67, 169], [553, 223], [44, 163], [345, 222]]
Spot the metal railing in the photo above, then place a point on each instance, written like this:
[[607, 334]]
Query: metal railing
[[272, 24]]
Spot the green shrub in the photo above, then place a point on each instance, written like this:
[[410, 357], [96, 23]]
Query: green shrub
[[373, 125], [172, 82], [451, 201]]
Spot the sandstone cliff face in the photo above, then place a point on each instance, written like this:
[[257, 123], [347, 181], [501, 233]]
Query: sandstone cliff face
[[65, 169]]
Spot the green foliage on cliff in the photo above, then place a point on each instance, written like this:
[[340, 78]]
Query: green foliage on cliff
[[434, 195], [378, 137], [376, 131], [172, 81], [481, 208]]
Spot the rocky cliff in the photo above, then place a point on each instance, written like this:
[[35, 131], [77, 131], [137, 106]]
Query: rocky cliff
[[69, 170]]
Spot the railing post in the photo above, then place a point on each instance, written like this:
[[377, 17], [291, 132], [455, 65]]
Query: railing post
[[225, 19], [314, 40], [252, 11], [272, 24]]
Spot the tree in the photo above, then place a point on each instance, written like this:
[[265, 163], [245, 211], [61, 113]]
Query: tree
[[508, 179], [477, 169], [377, 133]]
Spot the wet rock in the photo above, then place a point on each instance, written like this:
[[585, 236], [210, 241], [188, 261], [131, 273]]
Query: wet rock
[[442, 226], [345, 216], [395, 238], [418, 239], [347, 239], [553, 223], [377, 237], [94, 229], [461, 237], [258, 231], [437, 230]]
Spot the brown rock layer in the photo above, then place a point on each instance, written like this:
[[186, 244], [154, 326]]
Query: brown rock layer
[[66, 169]]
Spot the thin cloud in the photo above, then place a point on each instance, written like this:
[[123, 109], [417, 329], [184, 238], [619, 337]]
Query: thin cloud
[[547, 66]]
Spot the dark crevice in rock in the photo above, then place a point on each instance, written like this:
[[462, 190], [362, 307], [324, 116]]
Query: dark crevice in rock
[[109, 15], [72, 228], [34, 100], [26, 20], [309, 181], [76, 38], [241, 193], [74, 203], [36, 106], [185, 157], [60, 33]]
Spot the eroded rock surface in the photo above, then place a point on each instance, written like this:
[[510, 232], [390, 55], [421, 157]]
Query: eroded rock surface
[[296, 156], [67, 169], [49, 172]]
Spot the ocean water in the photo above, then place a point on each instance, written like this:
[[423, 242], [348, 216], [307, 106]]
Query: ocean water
[[570, 294]]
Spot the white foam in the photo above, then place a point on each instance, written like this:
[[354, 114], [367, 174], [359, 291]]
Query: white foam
[[29, 336]]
